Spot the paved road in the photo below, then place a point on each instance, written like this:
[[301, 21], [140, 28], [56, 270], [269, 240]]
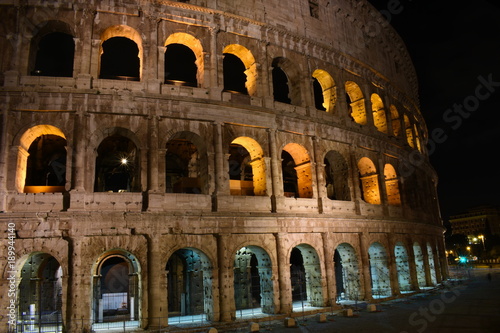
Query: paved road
[[472, 306]]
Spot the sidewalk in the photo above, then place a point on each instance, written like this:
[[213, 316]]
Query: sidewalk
[[472, 306]]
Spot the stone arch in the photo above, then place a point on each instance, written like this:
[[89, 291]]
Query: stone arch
[[253, 282], [189, 284], [286, 81], [369, 181], [127, 37], [116, 290], [52, 50], [325, 94], [395, 121], [28, 138], [117, 161], [347, 273], [356, 102], [250, 66], [195, 46], [297, 171], [247, 167], [40, 292], [305, 274], [186, 164], [337, 176], [402, 267], [392, 185], [419, 263], [379, 115], [379, 270]]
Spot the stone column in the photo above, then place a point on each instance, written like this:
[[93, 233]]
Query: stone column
[[365, 266], [331, 283], [320, 173], [277, 185], [393, 267], [157, 285], [211, 65], [80, 155], [437, 266], [427, 268], [285, 306], [357, 196], [381, 186], [413, 266], [226, 279], [221, 181], [366, 89], [153, 167]]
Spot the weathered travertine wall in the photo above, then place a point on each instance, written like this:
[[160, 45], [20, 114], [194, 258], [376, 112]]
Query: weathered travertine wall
[[227, 200]]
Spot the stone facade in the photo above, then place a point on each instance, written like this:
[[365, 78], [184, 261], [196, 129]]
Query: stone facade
[[161, 159]]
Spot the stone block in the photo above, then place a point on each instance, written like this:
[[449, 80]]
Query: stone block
[[348, 313], [321, 318], [253, 327], [371, 308], [290, 322]]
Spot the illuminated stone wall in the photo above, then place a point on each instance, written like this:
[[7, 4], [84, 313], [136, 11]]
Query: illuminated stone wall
[[247, 154]]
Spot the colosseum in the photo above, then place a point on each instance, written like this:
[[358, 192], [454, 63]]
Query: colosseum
[[208, 161]]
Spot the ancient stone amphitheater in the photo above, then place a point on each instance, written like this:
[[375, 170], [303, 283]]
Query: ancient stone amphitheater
[[208, 161]]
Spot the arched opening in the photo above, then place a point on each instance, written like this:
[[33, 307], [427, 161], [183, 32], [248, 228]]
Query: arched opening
[[183, 167], [40, 295], [325, 95], [392, 185], [347, 273], [432, 267], [369, 181], [52, 50], [379, 117], [116, 296], [120, 59], [286, 81], [245, 75], [336, 177], [402, 267], [305, 275], [117, 165], [395, 121], [379, 271], [54, 55], [247, 168], [419, 263], [184, 60], [281, 89], [41, 160], [356, 102], [319, 99], [253, 285], [46, 165], [296, 171], [180, 65], [234, 74], [189, 284]]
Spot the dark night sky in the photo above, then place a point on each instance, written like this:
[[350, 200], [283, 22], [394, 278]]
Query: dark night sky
[[452, 44]]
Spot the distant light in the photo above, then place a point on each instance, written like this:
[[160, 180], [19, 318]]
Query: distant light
[[463, 260], [124, 161]]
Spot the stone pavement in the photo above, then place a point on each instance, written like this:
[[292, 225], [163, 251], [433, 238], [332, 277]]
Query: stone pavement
[[471, 305]]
